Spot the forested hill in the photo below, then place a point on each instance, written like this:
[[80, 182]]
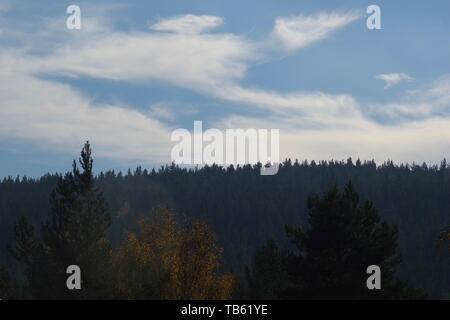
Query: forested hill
[[244, 209]]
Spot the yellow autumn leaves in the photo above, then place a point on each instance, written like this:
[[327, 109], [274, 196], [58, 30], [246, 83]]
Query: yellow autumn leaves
[[171, 260]]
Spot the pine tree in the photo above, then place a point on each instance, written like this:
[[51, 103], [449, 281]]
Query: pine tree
[[268, 276], [74, 235], [344, 238]]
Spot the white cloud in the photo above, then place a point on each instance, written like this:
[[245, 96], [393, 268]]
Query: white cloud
[[439, 91], [189, 24], [297, 32], [189, 61], [55, 116], [315, 125], [419, 141], [298, 102], [392, 79], [211, 64], [421, 136], [161, 111], [431, 100]]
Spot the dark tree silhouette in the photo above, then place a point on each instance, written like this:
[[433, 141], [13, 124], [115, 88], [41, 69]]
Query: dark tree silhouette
[[5, 284], [332, 255], [74, 235], [245, 210], [268, 276], [343, 239]]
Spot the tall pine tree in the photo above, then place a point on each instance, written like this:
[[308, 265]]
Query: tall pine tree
[[344, 238], [74, 235]]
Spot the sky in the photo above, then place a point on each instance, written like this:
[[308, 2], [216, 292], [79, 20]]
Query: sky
[[136, 71]]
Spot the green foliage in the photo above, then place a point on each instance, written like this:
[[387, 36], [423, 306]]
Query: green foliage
[[165, 260], [268, 277], [74, 235], [245, 209], [344, 238]]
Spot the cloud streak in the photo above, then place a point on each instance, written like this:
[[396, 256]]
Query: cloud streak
[[180, 52], [210, 64], [392, 79], [431, 100], [297, 32], [189, 24], [54, 116]]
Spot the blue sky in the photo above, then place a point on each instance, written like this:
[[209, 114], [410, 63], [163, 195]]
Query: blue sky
[[137, 71]]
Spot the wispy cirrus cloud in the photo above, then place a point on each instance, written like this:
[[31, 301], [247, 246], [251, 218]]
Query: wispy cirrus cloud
[[305, 103], [429, 100], [179, 51], [188, 23], [339, 137], [210, 64], [57, 117], [392, 79], [185, 60], [298, 32]]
